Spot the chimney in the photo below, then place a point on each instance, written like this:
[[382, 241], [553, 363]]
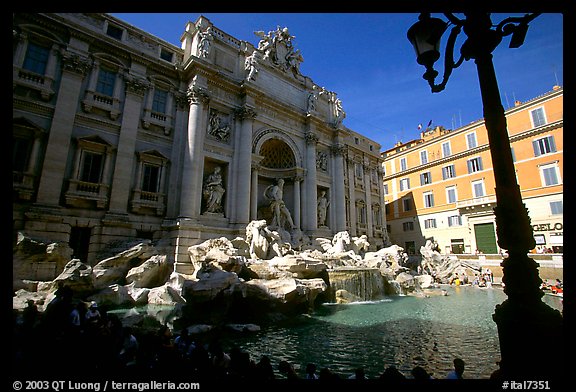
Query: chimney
[[517, 103]]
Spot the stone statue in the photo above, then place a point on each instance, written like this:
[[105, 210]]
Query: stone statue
[[313, 97], [205, 42], [250, 65], [277, 47], [261, 240], [214, 191], [281, 216], [360, 245], [339, 113], [323, 204]]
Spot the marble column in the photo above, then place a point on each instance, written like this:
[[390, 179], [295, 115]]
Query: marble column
[[122, 178], [368, 195], [192, 165], [338, 197], [309, 212], [254, 193], [351, 195], [51, 183], [243, 178], [297, 211], [179, 143]]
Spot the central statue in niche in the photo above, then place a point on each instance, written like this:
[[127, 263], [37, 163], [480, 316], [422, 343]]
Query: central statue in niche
[[281, 216]]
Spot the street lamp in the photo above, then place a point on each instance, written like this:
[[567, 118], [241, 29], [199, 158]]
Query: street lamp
[[524, 322]]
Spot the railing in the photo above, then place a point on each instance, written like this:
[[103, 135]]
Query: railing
[[81, 191], [475, 201], [147, 200], [88, 187], [31, 77], [103, 99], [158, 116]]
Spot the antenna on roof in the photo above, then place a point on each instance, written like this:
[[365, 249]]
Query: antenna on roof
[[555, 74]]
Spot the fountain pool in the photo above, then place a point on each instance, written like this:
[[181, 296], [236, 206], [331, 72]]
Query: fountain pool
[[402, 330]]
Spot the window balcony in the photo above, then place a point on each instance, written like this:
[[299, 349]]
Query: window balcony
[[143, 202], [23, 185], [476, 204], [102, 102], [34, 81], [87, 194], [160, 120]]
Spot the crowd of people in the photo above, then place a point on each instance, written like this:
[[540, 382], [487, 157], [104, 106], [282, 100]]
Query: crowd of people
[[71, 337], [483, 279]]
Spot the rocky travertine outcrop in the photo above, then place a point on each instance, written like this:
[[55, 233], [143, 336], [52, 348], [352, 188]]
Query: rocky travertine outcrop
[[224, 280]]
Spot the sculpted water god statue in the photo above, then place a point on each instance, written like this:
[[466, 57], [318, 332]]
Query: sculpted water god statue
[[281, 216], [214, 191]]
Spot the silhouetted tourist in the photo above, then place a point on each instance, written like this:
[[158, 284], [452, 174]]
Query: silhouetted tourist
[[93, 316], [129, 348], [30, 315], [264, 369], [458, 370], [219, 359], [182, 342], [311, 372], [327, 375], [392, 374], [287, 370], [358, 374], [241, 367], [57, 311], [419, 373]]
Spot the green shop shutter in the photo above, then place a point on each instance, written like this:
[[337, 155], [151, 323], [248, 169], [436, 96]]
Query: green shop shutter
[[485, 238]]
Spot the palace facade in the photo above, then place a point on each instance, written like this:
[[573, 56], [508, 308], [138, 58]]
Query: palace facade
[[117, 134]]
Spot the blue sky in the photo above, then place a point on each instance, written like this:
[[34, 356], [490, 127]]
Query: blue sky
[[368, 61]]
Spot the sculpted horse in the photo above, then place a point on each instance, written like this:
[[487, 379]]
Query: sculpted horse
[[340, 242]]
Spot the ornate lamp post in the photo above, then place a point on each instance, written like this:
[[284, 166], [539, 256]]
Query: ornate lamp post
[[524, 322]]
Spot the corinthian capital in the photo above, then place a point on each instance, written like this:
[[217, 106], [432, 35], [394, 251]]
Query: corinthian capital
[[196, 95], [136, 85], [338, 149], [310, 138], [75, 63], [245, 112]]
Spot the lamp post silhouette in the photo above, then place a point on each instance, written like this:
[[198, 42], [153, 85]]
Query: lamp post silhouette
[[524, 322]]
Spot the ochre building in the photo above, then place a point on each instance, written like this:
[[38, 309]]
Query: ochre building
[[441, 186]]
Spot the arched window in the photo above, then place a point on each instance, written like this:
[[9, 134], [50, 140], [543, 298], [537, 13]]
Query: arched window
[[277, 155]]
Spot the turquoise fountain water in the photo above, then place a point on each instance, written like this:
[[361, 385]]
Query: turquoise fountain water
[[402, 330]]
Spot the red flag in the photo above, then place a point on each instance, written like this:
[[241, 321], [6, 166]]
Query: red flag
[[419, 126]]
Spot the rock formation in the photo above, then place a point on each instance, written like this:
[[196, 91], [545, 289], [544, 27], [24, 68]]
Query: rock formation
[[225, 281]]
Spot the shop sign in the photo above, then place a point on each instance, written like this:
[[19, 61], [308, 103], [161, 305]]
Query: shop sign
[[548, 227]]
